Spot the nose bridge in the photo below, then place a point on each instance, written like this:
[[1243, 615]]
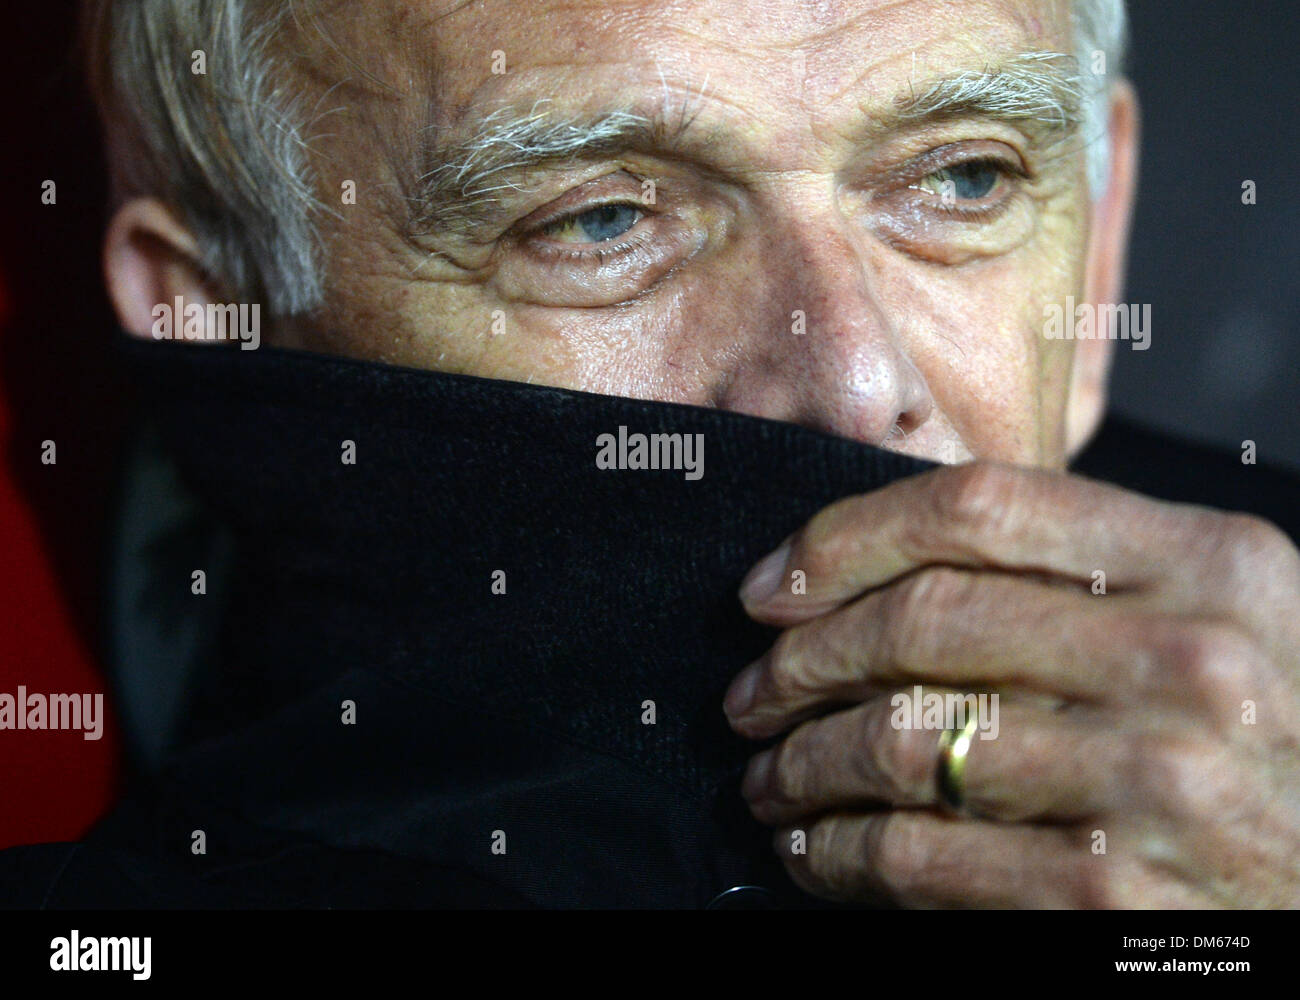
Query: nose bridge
[[835, 361], [828, 275]]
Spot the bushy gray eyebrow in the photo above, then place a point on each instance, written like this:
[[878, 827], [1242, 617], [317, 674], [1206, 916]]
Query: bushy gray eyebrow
[[1041, 88], [462, 187]]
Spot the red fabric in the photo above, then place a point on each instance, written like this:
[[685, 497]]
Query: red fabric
[[57, 382], [55, 783]]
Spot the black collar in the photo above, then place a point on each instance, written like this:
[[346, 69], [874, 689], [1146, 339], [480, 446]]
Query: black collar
[[372, 582]]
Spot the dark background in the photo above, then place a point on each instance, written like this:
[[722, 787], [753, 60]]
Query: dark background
[[1218, 84]]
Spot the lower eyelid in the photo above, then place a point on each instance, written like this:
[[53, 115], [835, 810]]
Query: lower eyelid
[[981, 214], [619, 245], [1006, 189], [549, 275], [954, 235]]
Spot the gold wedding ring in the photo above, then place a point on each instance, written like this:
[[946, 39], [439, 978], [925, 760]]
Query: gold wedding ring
[[950, 778]]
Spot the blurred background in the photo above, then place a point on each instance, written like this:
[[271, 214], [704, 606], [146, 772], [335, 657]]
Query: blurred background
[[1218, 84]]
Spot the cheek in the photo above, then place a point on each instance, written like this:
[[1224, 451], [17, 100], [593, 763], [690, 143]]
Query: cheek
[[651, 349], [976, 332], [976, 336], [676, 343]]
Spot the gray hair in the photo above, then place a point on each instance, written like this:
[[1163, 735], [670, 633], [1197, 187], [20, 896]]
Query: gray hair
[[223, 147], [227, 148], [1100, 44]]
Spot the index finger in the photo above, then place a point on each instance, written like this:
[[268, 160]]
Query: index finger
[[982, 514]]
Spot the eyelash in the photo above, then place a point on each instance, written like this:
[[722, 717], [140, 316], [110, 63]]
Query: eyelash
[[598, 253], [985, 213]]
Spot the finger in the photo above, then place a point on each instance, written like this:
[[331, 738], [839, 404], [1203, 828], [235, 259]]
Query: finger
[[921, 859], [968, 629], [980, 514], [1027, 762]]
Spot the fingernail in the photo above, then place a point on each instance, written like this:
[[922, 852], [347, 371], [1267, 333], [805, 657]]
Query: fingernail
[[741, 693], [765, 578], [756, 775]]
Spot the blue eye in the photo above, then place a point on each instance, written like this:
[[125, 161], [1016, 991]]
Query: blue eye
[[971, 181], [596, 225]]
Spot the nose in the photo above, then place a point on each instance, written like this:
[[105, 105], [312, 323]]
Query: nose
[[825, 354]]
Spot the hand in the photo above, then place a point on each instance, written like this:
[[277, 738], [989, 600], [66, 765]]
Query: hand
[[1162, 713]]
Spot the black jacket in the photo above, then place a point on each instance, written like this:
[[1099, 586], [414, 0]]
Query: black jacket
[[354, 714]]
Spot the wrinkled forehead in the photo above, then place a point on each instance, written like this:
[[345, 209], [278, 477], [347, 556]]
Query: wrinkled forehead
[[474, 53]]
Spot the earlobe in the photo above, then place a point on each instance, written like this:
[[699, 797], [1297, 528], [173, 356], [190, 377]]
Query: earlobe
[[150, 257], [1104, 272]]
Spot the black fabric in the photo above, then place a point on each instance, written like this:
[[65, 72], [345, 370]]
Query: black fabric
[[521, 712], [475, 712]]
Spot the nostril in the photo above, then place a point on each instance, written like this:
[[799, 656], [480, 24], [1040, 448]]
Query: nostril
[[915, 402], [911, 418]]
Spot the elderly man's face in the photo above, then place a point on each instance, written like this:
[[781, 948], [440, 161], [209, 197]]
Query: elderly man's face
[[768, 225]]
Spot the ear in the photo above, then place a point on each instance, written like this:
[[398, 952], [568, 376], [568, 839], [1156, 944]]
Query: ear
[[150, 258], [1104, 270]]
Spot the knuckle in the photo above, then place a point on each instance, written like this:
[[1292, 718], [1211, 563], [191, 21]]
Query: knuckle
[[1188, 778], [1216, 662], [1147, 643], [1248, 550], [1103, 883], [829, 540], [917, 608], [901, 763], [975, 496], [785, 783], [784, 677], [832, 860], [938, 588], [1258, 534], [897, 854], [792, 768]]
